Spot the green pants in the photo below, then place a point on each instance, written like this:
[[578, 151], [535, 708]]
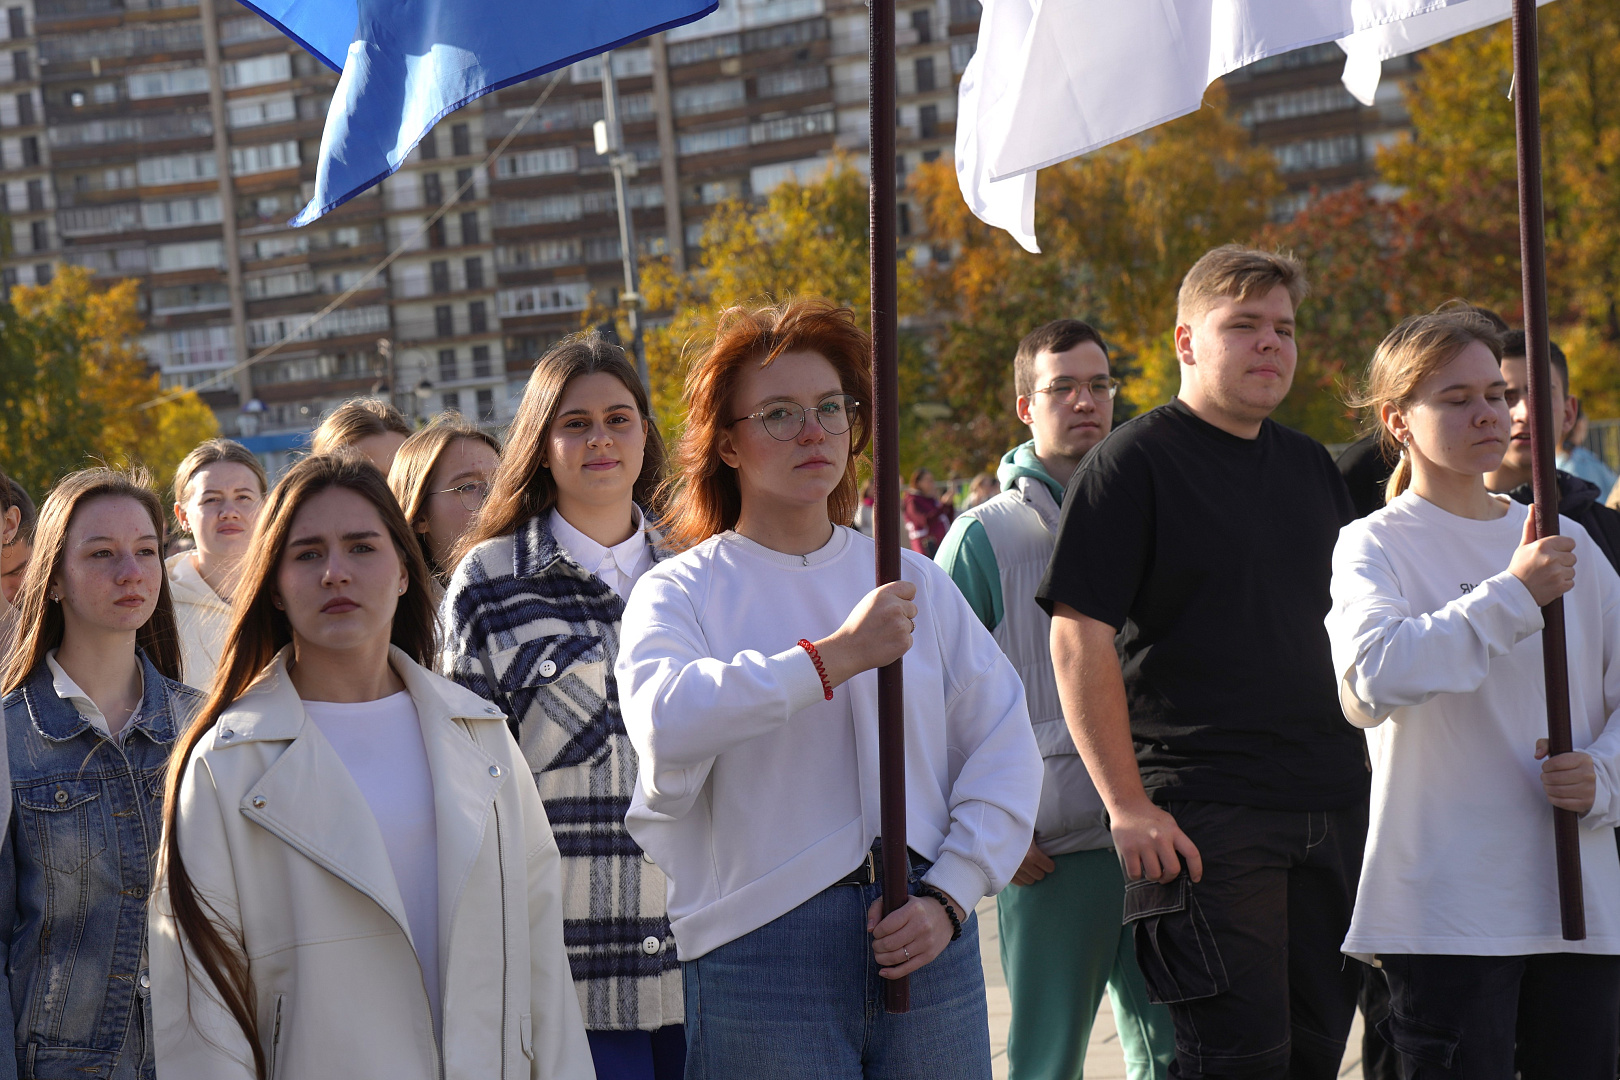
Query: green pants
[[1062, 944]]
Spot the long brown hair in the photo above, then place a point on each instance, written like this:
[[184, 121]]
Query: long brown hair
[[258, 631], [523, 487], [1414, 350], [702, 491], [356, 419], [40, 623], [413, 467]]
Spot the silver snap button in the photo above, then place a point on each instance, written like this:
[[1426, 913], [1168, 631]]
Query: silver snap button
[[647, 858], [146, 981], [494, 770], [61, 796], [258, 802], [548, 668], [652, 946], [227, 735]]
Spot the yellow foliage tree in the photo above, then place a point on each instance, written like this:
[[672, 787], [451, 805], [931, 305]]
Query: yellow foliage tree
[[72, 380], [804, 240]]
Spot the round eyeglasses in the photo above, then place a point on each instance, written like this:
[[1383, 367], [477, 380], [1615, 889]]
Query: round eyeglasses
[[1066, 391], [471, 494], [784, 420]]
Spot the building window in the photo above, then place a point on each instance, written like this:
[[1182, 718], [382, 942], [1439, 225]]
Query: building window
[[965, 11], [475, 273], [429, 147], [443, 324], [451, 401], [432, 190], [435, 234], [469, 227], [928, 122], [925, 74], [903, 222], [36, 195], [464, 185], [460, 140], [477, 317], [40, 239], [439, 271], [30, 150], [486, 406], [8, 278], [42, 274], [25, 110], [16, 26], [480, 361], [447, 365], [921, 25], [19, 64]]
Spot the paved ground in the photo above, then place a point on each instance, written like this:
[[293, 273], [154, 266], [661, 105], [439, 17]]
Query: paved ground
[[1104, 1061]]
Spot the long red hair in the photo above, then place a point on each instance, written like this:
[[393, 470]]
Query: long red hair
[[703, 497]]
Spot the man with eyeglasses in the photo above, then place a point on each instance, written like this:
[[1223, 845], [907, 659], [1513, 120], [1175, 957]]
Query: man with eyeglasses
[[1062, 944], [1188, 590]]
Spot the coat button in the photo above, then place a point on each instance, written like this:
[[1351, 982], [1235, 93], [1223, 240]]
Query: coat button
[[258, 802], [494, 770], [146, 981], [61, 796], [137, 891], [652, 946], [548, 668], [227, 735]]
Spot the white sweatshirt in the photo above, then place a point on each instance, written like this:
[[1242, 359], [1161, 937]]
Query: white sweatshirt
[[203, 619], [1439, 650], [755, 793]]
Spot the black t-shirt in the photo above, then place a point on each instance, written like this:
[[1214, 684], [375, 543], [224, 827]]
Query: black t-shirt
[[1211, 555], [1365, 470]]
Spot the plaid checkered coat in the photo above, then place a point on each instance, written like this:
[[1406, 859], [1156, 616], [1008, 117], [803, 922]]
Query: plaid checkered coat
[[549, 631]]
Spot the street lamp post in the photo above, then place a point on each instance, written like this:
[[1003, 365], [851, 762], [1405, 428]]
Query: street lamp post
[[610, 144]]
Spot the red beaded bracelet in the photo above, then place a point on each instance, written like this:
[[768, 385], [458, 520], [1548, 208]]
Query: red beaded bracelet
[[815, 658]]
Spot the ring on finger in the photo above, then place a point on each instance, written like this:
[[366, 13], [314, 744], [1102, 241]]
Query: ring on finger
[[906, 951]]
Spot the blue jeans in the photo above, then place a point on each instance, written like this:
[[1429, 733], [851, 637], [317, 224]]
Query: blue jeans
[[800, 999]]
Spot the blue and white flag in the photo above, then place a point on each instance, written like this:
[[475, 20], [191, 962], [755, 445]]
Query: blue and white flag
[[406, 63]]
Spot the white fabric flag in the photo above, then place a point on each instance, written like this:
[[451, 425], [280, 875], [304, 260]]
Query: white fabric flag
[[1053, 79], [1366, 51]]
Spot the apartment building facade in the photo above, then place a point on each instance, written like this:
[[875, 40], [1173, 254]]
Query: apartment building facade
[[170, 141]]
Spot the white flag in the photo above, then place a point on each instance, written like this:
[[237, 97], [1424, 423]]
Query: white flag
[[1052, 79], [1366, 51]]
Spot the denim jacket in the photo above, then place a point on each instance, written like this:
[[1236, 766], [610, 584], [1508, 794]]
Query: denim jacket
[[75, 870]]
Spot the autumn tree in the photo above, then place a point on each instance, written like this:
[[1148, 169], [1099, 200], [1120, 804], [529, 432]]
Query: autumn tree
[[1458, 172], [803, 240], [1118, 227], [72, 380]]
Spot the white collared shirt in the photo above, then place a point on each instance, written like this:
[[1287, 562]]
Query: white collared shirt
[[70, 692], [619, 566]]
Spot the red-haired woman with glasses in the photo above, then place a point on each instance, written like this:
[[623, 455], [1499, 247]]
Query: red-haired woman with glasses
[[746, 677]]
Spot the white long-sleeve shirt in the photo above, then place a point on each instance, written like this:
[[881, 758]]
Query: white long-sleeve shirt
[[1439, 651], [755, 793]]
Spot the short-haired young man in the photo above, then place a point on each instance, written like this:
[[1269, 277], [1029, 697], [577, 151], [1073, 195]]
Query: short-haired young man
[[1199, 537], [1579, 500], [1062, 944]]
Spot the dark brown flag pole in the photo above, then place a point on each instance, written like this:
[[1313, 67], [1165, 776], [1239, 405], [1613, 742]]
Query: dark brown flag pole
[[886, 463], [1543, 437]]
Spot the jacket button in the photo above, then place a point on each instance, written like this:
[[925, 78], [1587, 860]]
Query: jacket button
[[494, 770], [137, 891], [652, 946], [146, 981], [61, 796], [227, 735], [258, 802], [548, 668]]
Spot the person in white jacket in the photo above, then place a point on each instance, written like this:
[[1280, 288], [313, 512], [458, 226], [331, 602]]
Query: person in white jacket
[[218, 489], [356, 878], [746, 675], [1436, 636]]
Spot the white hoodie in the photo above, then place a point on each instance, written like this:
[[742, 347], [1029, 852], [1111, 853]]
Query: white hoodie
[[203, 619]]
